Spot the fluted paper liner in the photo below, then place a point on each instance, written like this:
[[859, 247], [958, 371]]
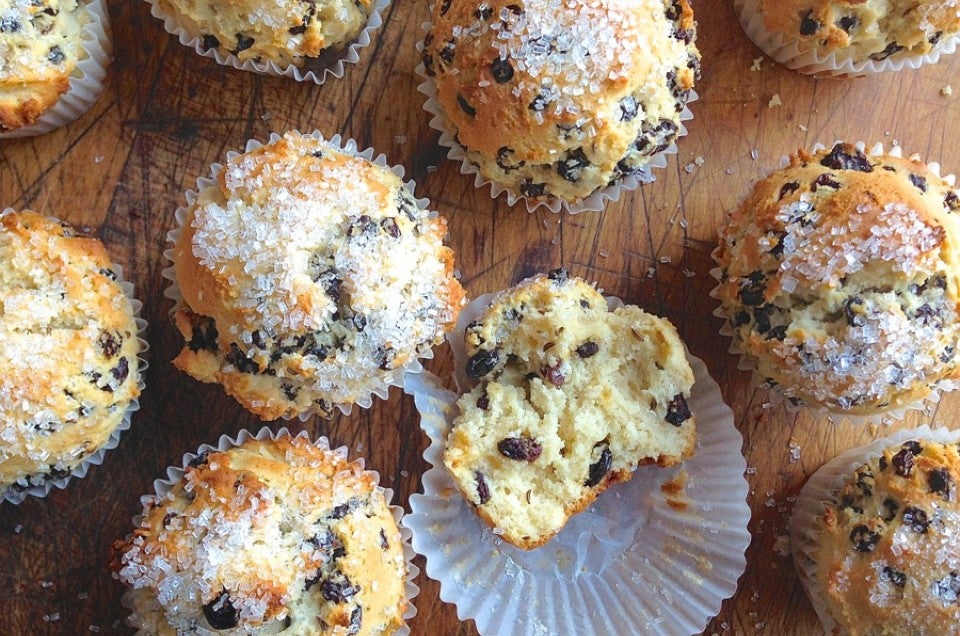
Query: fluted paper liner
[[87, 79], [926, 404], [803, 57], [348, 146], [593, 203], [314, 70], [628, 564], [823, 488], [96, 458], [164, 485]]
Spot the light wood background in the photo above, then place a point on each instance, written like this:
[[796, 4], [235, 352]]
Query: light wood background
[[167, 113]]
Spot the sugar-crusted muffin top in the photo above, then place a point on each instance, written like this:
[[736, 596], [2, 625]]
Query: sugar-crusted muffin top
[[39, 48], [557, 98], [310, 277], [68, 339], [864, 29], [271, 536], [572, 397], [287, 32], [839, 277], [888, 553]]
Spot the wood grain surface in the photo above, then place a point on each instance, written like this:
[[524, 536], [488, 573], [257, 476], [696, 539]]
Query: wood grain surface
[[167, 114]]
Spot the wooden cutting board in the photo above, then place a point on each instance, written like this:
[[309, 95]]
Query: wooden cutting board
[[167, 114]]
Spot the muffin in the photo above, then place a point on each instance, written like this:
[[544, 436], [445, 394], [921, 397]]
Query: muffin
[[837, 35], [557, 100], [68, 338], [571, 398], [885, 551], [310, 278], [40, 45], [286, 33], [270, 536], [839, 279]]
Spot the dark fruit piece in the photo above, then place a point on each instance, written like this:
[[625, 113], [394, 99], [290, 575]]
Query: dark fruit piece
[[753, 289], [465, 106], [337, 588], [919, 181], [483, 491], [530, 189], [571, 167], [863, 539], [588, 349], [788, 188], [897, 578], [220, 612], [903, 462], [916, 519], [826, 180], [520, 448], [678, 411], [600, 468], [848, 23], [840, 159], [940, 482], [809, 26], [892, 48], [553, 375], [502, 70], [482, 363]]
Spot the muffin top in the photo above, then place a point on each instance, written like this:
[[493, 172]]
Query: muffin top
[[889, 545], [310, 278], [572, 398], [271, 536], [39, 48], [69, 344], [286, 32], [839, 277], [557, 98], [864, 29]]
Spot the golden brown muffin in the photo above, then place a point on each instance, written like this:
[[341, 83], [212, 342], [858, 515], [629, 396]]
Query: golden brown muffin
[[287, 32], [310, 278], [68, 339], [557, 99], [572, 398], [269, 537], [39, 48], [840, 279], [863, 29], [889, 545]]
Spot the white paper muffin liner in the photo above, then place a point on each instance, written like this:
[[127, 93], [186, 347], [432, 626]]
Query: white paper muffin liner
[[593, 203], [628, 564], [42, 489], [315, 71], [348, 146], [803, 57], [174, 475], [86, 82], [926, 404], [823, 488]]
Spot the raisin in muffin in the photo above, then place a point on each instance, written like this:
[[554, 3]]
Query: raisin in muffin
[[271, 536], [68, 339], [287, 33], [40, 44], [859, 30], [572, 397], [887, 553], [557, 99], [310, 278], [839, 277]]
